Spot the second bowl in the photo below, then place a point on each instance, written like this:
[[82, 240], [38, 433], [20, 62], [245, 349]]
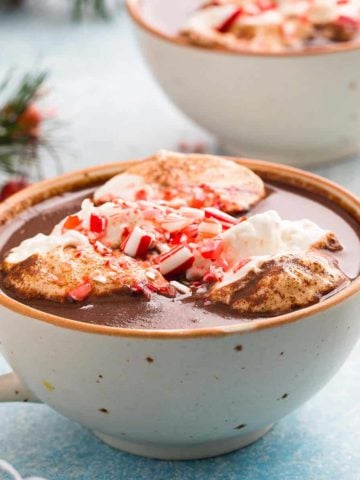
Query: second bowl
[[299, 108]]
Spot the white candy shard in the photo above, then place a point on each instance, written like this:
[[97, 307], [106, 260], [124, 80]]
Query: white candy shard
[[180, 287]]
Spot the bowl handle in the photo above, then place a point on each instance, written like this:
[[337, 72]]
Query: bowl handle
[[13, 390]]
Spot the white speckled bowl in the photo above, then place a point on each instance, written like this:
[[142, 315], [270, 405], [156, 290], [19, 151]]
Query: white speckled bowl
[[176, 394], [299, 108]]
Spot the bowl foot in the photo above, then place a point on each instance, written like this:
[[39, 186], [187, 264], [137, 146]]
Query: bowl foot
[[183, 452]]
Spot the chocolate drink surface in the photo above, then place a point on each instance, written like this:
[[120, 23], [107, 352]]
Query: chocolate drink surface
[[183, 311]]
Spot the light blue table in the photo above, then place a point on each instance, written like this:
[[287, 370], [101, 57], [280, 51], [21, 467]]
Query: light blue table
[[106, 97]]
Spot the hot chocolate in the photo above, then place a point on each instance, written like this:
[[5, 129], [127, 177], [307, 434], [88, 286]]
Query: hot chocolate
[[149, 250], [258, 25]]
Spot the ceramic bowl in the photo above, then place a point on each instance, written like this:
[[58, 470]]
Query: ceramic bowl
[[176, 394], [298, 108]]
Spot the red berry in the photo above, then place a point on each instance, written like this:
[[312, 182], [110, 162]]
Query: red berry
[[13, 186], [29, 121]]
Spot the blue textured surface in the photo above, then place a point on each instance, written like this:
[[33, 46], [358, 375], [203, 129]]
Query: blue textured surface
[[318, 442]]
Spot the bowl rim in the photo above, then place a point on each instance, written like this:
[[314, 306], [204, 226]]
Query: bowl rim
[[91, 175], [133, 8]]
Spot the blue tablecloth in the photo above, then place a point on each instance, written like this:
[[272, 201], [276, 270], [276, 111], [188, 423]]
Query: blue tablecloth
[[108, 101]]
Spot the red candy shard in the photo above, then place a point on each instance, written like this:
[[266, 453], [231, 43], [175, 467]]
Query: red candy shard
[[81, 292], [213, 275], [97, 223], [345, 20], [72, 222], [265, 5], [221, 216], [176, 261], [141, 195], [176, 238], [227, 24], [137, 243], [144, 245], [211, 248]]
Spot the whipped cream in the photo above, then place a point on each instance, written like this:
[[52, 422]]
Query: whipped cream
[[282, 261], [124, 185], [267, 234], [41, 244], [262, 237]]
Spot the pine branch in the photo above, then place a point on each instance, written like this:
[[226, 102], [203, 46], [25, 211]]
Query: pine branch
[[21, 132], [27, 92]]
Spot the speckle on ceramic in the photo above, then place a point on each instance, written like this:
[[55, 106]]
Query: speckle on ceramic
[[103, 410]]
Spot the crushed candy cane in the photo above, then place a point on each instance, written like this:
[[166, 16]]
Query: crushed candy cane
[[209, 228], [97, 223], [176, 242], [196, 245], [99, 277], [176, 261], [80, 293], [180, 287], [273, 25], [72, 222], [137, 243]]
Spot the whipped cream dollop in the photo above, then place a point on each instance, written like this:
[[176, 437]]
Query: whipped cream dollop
[[262, 237], [273, 25], [268, 234], [276, 265], [42, 244]]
